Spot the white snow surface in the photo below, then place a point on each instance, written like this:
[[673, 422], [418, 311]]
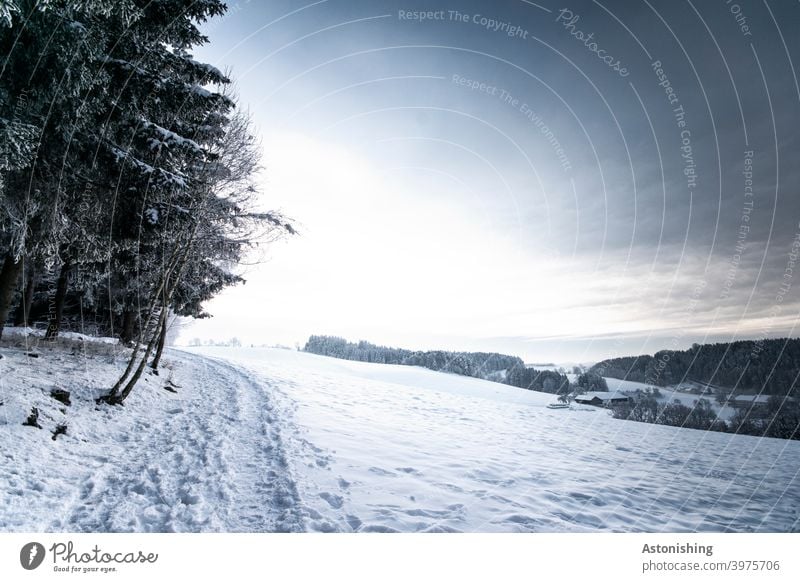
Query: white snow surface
[[262, 439], [207, 458], [394, 448]]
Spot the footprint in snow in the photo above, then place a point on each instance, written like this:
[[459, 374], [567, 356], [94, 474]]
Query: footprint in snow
[[378, 529], [335, 501], [439, 528]]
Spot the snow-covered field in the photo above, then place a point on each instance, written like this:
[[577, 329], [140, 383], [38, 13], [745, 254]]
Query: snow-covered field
[[394, 448], [268, 439]]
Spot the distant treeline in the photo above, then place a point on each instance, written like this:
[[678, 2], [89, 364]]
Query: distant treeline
[[779, 418], [539, 380], [475, 364], [768, 366], [488, 366]]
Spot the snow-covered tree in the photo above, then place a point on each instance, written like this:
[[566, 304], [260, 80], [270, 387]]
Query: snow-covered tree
[[124, 165], [42, 79]]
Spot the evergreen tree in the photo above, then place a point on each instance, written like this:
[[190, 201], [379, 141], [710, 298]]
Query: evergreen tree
[[124, 166]]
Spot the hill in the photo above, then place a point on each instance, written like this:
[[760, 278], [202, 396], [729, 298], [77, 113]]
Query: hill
[[380, 447], [275, 440], [485, 365], [761, 366]]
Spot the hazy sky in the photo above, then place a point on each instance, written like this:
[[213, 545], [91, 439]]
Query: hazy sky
[[558, 181]]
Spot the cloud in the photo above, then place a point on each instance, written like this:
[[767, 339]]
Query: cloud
[[438, 215]]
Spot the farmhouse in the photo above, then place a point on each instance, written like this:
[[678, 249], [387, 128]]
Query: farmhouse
[[601, 398]]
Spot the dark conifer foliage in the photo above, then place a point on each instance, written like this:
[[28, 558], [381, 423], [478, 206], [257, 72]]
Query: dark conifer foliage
[[541, 380], [769, 366], [475, 364], [127, 173]]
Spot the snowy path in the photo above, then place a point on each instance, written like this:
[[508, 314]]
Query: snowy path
[[209, 458], [208, 471], [391, 448]]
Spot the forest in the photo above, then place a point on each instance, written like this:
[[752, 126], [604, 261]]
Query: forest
[[128, 172], [769, 366], [475, 364], [487, 366], [779, 418]]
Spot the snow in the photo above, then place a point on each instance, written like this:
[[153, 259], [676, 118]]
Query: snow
[[394, 448], [7, 9], [615, 385], [152, 215], [76, 26], [165, 462], [170, 178], [752, 398], [168, 137], [200, 91], [262, 439], [209, 69]]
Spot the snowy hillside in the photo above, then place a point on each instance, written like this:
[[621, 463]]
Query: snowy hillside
[[270, 439], [394, 448]]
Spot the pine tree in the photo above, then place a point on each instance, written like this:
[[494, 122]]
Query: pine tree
[[124, 166]]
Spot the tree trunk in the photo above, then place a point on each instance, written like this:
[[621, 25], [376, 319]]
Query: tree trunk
[[166, 290], [9, 277], [56, 309], [128, 324], [162, 337], [142, 363], [113, 396], [23, 315]]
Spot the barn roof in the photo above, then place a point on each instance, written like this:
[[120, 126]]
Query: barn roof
[[754, 398], [604, 396]]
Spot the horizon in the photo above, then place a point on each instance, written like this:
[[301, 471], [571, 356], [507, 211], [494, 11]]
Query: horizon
[[225, 342], [478, 179]]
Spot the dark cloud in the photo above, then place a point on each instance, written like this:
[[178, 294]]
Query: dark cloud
[[552, 145]]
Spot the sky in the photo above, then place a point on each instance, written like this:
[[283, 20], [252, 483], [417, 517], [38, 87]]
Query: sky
[[560, 182]]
